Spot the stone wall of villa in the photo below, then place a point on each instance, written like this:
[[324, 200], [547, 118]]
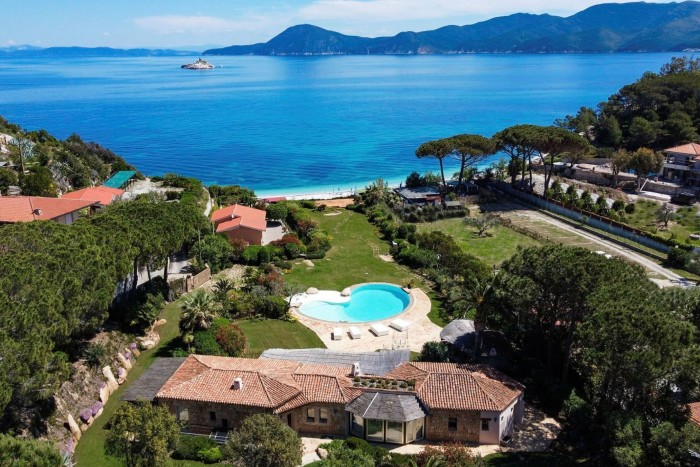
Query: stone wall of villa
[[336, 425], [438, 428], [197, 416]]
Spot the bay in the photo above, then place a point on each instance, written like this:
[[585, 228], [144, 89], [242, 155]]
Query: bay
[[301, 124]]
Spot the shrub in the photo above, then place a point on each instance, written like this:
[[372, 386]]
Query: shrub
[[231, 339], [96, 355], [251, 254], [308, 204], [630, 208], [678, 257], [205, 343], [210, 456], [190, 447], [272, 307], [264, 440], [618, 205]]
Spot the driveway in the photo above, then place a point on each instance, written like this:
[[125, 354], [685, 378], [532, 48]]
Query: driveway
[[275, 231], [557, 230]]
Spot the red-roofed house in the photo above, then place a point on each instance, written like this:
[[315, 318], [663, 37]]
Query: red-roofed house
[[241, 222], [682, 164], [695, 412], [435, 401], [37, 208], [101, 194]]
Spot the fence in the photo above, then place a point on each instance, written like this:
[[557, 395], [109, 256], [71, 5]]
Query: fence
[[195, 281], [588, 218]]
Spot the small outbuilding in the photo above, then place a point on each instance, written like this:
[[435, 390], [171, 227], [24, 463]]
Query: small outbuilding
[[241, 222]]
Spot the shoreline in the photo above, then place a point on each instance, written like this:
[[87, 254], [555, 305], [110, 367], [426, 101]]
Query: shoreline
[[322, 192]]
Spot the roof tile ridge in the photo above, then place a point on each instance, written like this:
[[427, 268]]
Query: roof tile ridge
[[370, 404]]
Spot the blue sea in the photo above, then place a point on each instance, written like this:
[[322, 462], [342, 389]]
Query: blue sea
[[301, 124]]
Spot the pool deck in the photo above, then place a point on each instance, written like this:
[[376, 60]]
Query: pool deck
[[420, 331]]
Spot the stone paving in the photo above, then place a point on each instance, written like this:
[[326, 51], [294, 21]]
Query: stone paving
[[420, 331]]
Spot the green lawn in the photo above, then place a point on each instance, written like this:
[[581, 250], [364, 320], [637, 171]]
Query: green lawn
[[263, 334], [686, 222], [352, 259], [500, 244], [90, 449]]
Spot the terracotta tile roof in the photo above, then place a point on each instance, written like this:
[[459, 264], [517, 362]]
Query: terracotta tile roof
[[460, 386], [283, 385], [36, 208], [234, 216], [690, 149], [274, 384], [101, 194], [695, 412]]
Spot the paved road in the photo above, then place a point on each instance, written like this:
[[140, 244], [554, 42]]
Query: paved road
[[519, 213]]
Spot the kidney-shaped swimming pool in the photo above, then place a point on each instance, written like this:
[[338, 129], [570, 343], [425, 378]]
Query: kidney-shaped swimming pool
[[369, 302]]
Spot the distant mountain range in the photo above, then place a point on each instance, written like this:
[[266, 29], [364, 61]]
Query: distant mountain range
[[611, 27], [26, 51]]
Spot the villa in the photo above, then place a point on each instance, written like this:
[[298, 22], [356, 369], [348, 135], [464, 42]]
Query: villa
[[682, 164], [38, 208], [412, 401], [103, 195], [241, 222]]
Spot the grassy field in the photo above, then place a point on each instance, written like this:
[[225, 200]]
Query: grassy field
[[261, 335], [353, 259], [498, 246], [686, 222], [265, 334]]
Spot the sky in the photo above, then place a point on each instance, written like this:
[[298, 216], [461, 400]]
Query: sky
[[188, 23]]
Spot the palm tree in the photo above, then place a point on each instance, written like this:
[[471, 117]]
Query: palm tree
[[198, 311], [222, 287]]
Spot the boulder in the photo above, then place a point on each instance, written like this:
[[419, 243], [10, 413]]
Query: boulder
[[312, 290], [121, 375], [124, 361], [134, 349], [147, 344], [322, 453], [84, 427], [112, 384], [74, 428], [160, 322], [346, 292], [104, 394]]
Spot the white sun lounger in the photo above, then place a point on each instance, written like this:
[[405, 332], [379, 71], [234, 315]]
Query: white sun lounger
[[337, 334], [400, 324], [355, 332], [379, 329]]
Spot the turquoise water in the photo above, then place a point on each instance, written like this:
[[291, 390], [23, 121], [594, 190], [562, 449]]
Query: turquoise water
[[371, 302], [299, 124]]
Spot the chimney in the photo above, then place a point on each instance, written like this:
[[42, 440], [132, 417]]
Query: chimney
[[37, 211], [356, 369], [237, 384]]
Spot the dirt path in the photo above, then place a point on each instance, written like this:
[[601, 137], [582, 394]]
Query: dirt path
[[569, 235]]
